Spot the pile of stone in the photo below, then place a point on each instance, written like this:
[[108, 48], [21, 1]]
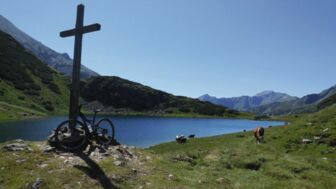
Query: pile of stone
[[17, 145]]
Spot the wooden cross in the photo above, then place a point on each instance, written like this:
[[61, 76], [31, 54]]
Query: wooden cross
[[78, 32]]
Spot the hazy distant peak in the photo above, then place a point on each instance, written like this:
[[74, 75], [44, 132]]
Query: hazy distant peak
[[66, 55], [265, 93], [246, 103], [206, 95]]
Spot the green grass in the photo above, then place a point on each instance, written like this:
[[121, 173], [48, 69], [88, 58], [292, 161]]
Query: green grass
[[28, 85], [282, 162], [227, 161]]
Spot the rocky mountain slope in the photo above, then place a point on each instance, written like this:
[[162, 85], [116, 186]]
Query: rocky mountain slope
[[61, 62]]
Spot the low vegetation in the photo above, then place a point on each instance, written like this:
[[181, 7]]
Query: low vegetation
[[299, 155], [122, 94], [28, 83]]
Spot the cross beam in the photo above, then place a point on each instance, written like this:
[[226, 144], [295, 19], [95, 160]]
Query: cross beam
[[78, 32], [83, 30]]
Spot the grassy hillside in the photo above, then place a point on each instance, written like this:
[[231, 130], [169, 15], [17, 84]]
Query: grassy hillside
[[327, 102], [28, 87], [121, 94], [227, 161], [235, 161]]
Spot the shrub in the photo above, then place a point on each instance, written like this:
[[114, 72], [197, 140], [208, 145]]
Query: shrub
[[34, 86], [48, 106], [32, 93], [54, 88]]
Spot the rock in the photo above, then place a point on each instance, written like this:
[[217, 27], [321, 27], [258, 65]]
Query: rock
[[123, 150], [306, 141], [43, 165], [220, 180], [324, 158], [52, 139], [49, 149], [17, 147], [134, 170], [116, 157], [118, 163], [117, 178], [18, 141], [102, 150], [171, 177], [66, 161], [37, 184], [317, 137], [148, 158], [325, 130], [106, 154], [20, 160], [184, 158], [148, 184]]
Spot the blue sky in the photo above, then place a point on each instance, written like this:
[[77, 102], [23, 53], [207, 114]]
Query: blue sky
[[191, 47]]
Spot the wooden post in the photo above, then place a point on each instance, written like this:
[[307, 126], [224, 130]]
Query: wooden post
[[78, 32]]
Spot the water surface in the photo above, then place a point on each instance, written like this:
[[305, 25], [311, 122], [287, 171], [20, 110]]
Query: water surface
[[137, 131]]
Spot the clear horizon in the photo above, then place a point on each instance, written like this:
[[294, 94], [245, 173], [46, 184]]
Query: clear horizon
[[191, 48]]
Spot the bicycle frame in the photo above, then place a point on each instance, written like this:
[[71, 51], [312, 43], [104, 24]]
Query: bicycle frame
[[87, 121]]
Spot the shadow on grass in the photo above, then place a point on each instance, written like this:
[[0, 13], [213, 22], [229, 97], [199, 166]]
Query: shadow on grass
[[94, 171]]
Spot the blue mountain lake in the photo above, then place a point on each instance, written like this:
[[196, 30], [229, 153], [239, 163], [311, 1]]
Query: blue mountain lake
[[137, 131]]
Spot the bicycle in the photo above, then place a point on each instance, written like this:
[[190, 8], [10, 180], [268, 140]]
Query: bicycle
[[84, 132]]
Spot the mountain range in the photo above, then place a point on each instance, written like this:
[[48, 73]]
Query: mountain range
[[60, 61], [30, 87], [247, 103], [275, 103], [306, 104], [27, 82]]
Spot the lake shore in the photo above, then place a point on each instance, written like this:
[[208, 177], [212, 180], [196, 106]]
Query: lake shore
[[231, 160], [209, 162], [41, 115], [140, 131]]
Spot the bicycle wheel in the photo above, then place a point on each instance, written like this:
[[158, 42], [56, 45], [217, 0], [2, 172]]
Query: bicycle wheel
[[77, 141], [105, 131]]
